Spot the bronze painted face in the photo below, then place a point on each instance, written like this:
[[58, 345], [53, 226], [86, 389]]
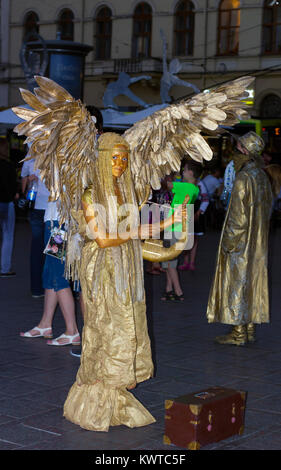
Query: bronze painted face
[[119, 160]]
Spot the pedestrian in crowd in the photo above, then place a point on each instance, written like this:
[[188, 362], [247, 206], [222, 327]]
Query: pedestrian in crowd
[[239, 292], [8, 193], [213, 181], [173, 289], [163, 198], [267, 156], [190, 172], [228, 181], [36, 220], [273, 172], [57, 291]]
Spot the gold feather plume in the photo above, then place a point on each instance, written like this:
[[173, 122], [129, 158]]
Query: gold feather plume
[[159, 141]]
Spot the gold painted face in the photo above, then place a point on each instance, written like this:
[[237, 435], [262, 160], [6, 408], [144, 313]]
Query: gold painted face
[[120, 157]]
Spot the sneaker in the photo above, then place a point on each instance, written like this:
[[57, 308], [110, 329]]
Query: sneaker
[[37, 296], [76, 352], [9, 274]]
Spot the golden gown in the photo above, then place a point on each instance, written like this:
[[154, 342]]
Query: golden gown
[[239, 292], [116, 350]]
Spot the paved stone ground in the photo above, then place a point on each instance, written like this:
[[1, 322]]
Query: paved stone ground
[[35, 378]]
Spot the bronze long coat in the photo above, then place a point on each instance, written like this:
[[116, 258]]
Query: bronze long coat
[[239, 292]]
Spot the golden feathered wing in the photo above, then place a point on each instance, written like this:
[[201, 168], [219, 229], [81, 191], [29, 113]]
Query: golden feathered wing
[[159, 141], [63, 140], [62, 135]]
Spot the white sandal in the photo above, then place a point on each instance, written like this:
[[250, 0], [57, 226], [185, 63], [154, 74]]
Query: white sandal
[[41, 332], [70, 340]]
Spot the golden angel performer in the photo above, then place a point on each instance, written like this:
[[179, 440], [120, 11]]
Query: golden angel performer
[[85, 172]]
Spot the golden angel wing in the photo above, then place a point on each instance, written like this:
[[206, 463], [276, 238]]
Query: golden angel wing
[[62, 138], [62, 135], [159, 141]]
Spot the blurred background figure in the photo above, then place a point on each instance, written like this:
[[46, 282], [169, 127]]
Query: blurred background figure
[[57, 291], [163, 198], [274, 173], [228, 181], [214, 185], [213, 181], [267, 156], [36, 219], [191, 172], [173, 289], [8, 193]]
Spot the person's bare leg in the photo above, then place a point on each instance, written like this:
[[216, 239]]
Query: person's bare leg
[[67, 305], [50, 303], [169, 283], [169, 286], [175, 280], [82, 305], [193, 251], [184, 266], [186, 254]]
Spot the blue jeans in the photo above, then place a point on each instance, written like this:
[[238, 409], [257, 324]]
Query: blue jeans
[[37, 257], [7, 223], [53, 272]]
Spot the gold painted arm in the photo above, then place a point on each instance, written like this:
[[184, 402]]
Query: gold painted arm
[[154, 251], [103, 238]]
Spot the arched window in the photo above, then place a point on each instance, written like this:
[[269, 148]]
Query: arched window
[[228, 30], [103, 33], [184, 28], [66, 25], [271, 38], [270, 106], [31, 26], [142, 25]]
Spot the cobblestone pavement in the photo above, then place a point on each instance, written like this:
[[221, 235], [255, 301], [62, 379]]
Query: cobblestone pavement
[[35, 378]]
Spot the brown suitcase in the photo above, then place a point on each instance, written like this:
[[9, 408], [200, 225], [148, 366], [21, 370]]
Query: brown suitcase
[[207, 416]]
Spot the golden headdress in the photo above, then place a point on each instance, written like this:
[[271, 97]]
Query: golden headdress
[[252, 142]]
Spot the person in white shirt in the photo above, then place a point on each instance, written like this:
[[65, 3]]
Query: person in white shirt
[[36, 219], [213, 181], [57, 291]]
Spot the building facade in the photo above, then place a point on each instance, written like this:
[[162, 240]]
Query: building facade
[[213, 40]]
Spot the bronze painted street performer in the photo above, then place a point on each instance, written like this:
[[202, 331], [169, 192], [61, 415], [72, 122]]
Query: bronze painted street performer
[[105, 177], [239, 293]]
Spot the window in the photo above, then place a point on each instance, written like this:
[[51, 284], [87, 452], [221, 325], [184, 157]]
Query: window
[[142, 24], [228, 30], [184, 28], [270, 106], [66, 25], [31, 28], [103, 33], [271, 38]]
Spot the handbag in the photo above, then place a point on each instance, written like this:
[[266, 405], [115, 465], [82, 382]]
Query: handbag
[[56, 245]]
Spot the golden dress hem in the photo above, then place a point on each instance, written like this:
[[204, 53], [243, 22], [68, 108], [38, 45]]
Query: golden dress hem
[[96, 407]]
